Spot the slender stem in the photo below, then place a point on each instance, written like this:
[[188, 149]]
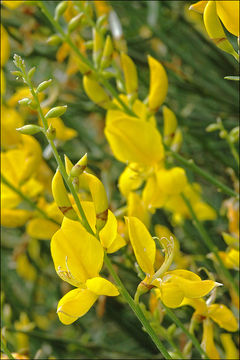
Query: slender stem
[[61, 166], [174, 318], [190, 164], [69, 41], [209, 243], [25, 198], [233, 150], [136, 309], [6, 351]]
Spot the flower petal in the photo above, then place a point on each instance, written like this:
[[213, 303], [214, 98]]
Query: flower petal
[[208, 341], [109, 231], [171, 294], [223, 317], [101, 286], [143, 244], [77, 255], [75, 304], [132, 140], [41, 228], [117, 243]]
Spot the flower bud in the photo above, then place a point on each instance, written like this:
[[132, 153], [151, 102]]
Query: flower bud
[[212, 127], [16, 73], [75, 22], [83, 68], [96, 92], [130, 74], [99, 198], [107, 53], [60, 9], [54, 40], [29, 129], [51, 133], [44, 85], [24, 101], [97, 46], [56, 112], [170, 125], [31, 72], [79, 167], [61, 198]]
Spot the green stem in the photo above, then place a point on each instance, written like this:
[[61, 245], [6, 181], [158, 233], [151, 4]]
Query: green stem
[[61, 166], [174, 318], [25, 198], [5, 350], [190, 164], [209, 243], [136, 309], [68, 40]]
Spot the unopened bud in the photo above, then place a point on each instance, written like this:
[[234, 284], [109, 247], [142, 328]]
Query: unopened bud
[[212, 127], [99, 198], [56, 112], [16, 73], [54, 40], [44, 85], [234, 134], [223, 134], [60, 9], [24, 101], [79, 167], [89, 44], [130, 74], [75, 22], [61, 198], [29, 129], [51, 132], [31, 72], [107, 53], [97, 46]]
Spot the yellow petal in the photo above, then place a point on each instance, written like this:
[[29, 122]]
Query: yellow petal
[[199, 6], [153, 197], [228, 11], [77, 255], [223, 317], [75, 304], [199, 305], [10, 120], [109, 231], [231, 352], [137, 208], [117, 243], [215, 29], [12, 4], [136, 141], [129, 180], [170, 125], [96, 92], [189, 282], [41, 228], [204, 211], [130, 74], [207, 340], [171, 294], [158, 84], [24, 268], [101, 286], [143, 244], [171, 181], [14, 217]]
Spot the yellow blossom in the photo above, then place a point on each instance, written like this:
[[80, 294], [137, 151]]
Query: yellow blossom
[[78, 259], [158, 84]]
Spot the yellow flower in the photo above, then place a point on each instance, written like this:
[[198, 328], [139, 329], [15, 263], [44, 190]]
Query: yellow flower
[[78, 259], [231, 352], [213, 12], [158, 84], [219, 313], [173, 285], [10, 121]]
